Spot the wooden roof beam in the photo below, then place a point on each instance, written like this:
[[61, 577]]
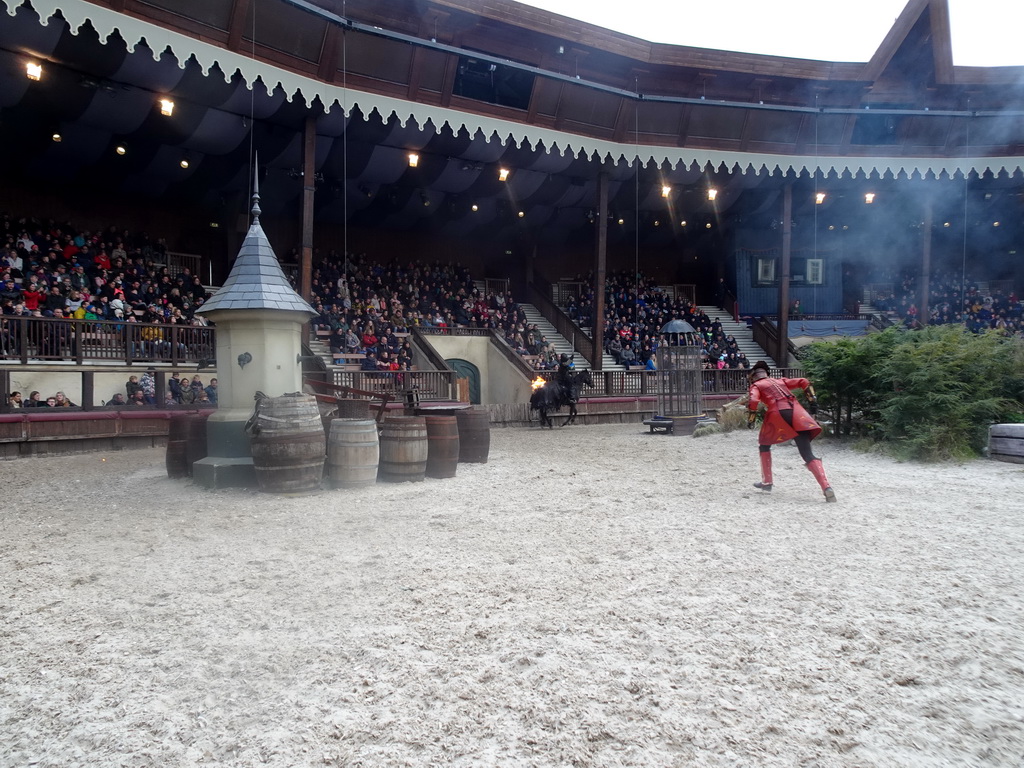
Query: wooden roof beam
[[940, 40]]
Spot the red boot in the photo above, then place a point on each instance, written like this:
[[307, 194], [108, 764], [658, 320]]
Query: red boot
[[819, 474], [766, 472]]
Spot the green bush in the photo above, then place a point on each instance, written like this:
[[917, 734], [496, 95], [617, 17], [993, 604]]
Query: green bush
[[928, 394]]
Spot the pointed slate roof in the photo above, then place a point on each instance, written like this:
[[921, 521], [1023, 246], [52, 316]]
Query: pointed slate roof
[[256, 280]]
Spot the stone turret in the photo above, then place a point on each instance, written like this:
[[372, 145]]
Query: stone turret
[[259, 319]]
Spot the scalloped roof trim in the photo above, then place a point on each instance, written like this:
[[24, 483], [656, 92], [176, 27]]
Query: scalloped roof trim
[[207, 56]]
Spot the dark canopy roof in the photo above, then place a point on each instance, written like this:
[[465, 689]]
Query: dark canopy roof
[[472, 87]]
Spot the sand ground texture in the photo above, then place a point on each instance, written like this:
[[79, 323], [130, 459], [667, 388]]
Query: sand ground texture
[[592, 596]]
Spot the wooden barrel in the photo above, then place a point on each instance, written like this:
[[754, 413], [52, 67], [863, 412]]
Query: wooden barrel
[[474, 435], [442, 446], [288, 445], [1006, 442], [403, 449], [353, 453], [186, 442], [177, 466]]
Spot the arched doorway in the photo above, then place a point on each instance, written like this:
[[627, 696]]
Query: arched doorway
[[466, 370]]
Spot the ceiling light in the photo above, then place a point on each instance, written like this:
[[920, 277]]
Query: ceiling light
[[682, 223], [33, 71], [995, 223], [831, 227], [523, 213], [474, 207], [945, 224], [503, 174], [121, 149], [869, 198], [657, 223], [184, 162], [712, 193], [166, 107], [819, 198], [622, 221], [708, 225], [425, 198], [666, 190], [57, 137], [414, 159]]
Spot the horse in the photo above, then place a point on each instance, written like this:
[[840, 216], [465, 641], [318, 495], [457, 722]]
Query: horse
[[552, 396]]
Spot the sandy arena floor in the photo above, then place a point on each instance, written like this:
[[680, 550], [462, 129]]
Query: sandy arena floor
[[593, 596]]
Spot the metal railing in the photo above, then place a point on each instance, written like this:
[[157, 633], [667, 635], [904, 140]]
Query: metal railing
[[25, 339]]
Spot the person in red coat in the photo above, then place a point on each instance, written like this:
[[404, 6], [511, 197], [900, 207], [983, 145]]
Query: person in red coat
[[785, 419]]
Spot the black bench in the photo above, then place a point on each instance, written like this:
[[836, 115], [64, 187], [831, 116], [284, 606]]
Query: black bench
[[661, 425]]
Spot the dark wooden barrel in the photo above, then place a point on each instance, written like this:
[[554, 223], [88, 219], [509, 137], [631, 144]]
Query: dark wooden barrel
[[174, 459], [474, 435], [288, 445], [186, 442], [353, 453], [442, 446], [403, 449]]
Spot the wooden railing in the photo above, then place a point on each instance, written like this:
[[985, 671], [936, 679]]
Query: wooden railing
[[563, 323], [24, 339], [176, 262], [424, 385], [766, 336], [731, 382]]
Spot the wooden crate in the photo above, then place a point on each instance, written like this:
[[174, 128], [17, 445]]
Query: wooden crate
[[1006, 442]]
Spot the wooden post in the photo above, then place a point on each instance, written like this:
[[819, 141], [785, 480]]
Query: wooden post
[[782, 353], [88, 391], [308, 196], [923, 310], [600, 268]]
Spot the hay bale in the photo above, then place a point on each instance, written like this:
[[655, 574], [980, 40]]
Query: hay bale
[[708, 428], [733, 415]]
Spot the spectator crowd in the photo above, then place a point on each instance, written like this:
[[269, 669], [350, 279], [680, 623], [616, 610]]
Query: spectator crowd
[[57, 270], [952, 298]]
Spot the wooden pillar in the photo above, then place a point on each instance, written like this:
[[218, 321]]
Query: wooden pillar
[[600, 268], [923, 311], [308, 193], [88, 401], [782, 353]]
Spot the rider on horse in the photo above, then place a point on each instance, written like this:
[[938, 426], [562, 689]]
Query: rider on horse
[[564, 373]]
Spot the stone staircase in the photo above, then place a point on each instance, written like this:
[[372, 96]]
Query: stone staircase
[[563, 345], [739, 330], [320, 348]]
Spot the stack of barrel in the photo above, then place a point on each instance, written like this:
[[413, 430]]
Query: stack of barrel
[[294, 447], [409, 448]]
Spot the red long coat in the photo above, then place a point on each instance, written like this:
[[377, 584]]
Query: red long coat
[[776, 394]]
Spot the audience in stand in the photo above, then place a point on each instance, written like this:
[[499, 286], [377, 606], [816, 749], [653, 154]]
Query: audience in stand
[[953, 298], [57, 270]]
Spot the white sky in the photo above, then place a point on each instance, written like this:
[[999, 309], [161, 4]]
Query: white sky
[[985, 33]]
